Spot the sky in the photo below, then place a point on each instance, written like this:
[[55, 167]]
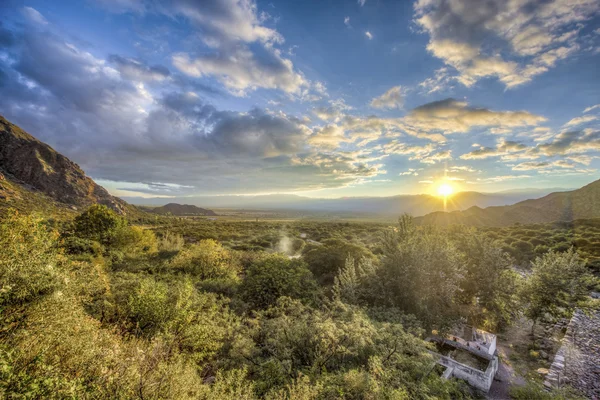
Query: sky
[[318, 98]]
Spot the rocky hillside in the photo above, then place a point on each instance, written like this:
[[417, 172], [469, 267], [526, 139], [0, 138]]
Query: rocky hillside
[[582, 203], [182, 210], [26, 163]]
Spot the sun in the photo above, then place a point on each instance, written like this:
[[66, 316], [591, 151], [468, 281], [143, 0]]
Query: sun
[[445, 190]]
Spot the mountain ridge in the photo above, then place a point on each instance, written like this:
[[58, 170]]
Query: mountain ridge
[[580, 203], [182, 210], [28, 163]]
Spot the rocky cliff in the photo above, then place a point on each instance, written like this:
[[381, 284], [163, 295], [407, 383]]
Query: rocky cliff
[[26, 161]]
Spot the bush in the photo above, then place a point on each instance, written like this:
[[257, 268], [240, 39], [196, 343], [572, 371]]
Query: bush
[[206, 260], [28, 259], [277, 276], [101, 224], [76, 245], [170, 242]]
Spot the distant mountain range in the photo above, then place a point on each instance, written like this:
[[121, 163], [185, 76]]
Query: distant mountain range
[[416, 205], [30, 169], [33, 176], [560, 206], [181, 210]]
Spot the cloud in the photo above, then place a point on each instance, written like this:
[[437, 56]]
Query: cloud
[[137, 70], [369, 35], [118, 129], [362, 2], [347, 22], [471, 36], [571, 142], [533, 165], [241, 49], [225, 22], [34, 16], [504, 148], [591, 108], [442, 80], [411, 171], [393, 98], [241, 70], [580, 121], [452, 116]]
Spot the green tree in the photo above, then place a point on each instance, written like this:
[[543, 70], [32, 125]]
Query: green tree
[[274, 276], [421, 273], [325, 261], [559, 280], [489, 280], [101, 224]]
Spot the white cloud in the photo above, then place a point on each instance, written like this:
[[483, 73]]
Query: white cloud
[[591, 108], [369, 35], [393, 98], [580, 121], [241, 71], [362, 2], [347, 21], [512, 41], [34, 16]]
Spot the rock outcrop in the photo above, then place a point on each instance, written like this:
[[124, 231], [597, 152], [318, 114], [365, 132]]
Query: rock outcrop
[[35, 165]]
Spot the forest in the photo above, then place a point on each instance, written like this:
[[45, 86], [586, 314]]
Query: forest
[[99, 306]]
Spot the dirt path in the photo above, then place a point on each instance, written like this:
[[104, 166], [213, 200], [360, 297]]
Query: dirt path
[[505, 377]]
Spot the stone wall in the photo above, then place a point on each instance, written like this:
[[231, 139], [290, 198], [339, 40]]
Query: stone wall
[[577, 362]]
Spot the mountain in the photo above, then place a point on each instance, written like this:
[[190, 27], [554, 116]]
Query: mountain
[[559, 206], [182, 210], [32, 168], [393, 206]]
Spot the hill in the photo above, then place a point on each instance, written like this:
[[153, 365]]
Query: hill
[[33, 173], [182, 210], [581, 203]]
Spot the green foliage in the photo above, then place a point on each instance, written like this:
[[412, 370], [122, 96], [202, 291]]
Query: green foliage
[[275, 276], [558, 282], [170, 242], [28, 259], [101, 224], [76, 245], [489, 278], [421, 274], [325, 261], [206, 260], [537, 392]]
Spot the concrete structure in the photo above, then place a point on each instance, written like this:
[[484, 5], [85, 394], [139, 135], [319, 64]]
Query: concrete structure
[[468, 346]]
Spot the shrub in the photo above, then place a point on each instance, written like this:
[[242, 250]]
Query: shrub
[[277, 276], [28, 259], [76, 245], [101, 224], [170, 242], [206, 259]]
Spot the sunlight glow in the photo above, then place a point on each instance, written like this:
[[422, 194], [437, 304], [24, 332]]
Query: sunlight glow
[[445, 190]]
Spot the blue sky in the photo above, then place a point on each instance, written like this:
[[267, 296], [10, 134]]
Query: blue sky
[[324, 98]]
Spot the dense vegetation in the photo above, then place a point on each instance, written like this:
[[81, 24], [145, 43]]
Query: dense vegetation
[[95, 307]]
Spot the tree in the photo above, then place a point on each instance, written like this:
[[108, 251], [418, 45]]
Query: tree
[[488, 279], [557, 283], [421, 273], [325, 261], [275, 276], [101, 224]]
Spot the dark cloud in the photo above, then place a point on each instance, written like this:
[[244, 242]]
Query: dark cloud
[[99, 113]]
